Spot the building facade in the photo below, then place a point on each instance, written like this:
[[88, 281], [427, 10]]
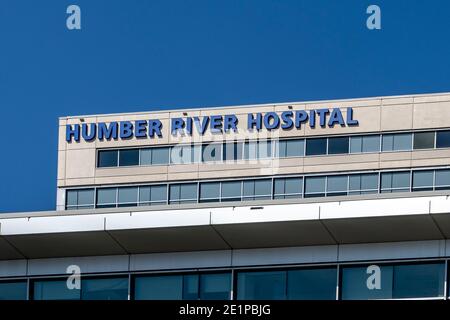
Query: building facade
[[344, 199]]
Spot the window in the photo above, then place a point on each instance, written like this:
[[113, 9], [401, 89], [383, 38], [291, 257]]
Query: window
[[265, 285], [397, 142], [423, 180], [215, 286], [290, 148], [153, 195], [315, 187], [54, 290], [354, 283], [107, 158], [288, 188], [106, 198], [363, 144], [231, 191], [317, 146], [212, 152], [183, 287], [395, 182], [104, 289], [128, 196], [13, 290], [258, 150], [363, 183], [338, 145], [442, 179], [154, 156], [232, 151], [312, 284], [337, 185], [443, 139], [185, 154], [129, 157], [257, 189], [80, 199], [424, 140], [158, 287], [183, 193], [418, 280], [209, 191]]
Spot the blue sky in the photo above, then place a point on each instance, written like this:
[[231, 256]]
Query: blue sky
[[138, 55]]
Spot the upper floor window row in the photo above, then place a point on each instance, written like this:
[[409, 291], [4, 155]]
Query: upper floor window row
[[266, 149], [289, 187]]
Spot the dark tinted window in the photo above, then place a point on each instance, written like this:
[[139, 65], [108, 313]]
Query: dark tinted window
[[312, 284], [158, 287], [338, 145], [107, 158], [418, 280], [215, 286], [104, 289], [443, 139], [267, 285], [13, 290], [54, 290], [366, 282], [316, 146], [424, 140], [129, 157]]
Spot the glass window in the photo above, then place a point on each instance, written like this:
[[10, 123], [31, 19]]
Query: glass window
[[367, 282], [183, 193], [152, 195], [106, 198], [418, 280], [232, 151], [184, 154], [54, 290], [442, 181], [395, 182], [215, 286], [423, 180], [107, 158], [104, 289], [13, 290], [257, 150], [158, 287], [290, 148], [288, 188], [257, 189], [315, 187], [264, 149], [316, 146], [80, 199], [338, 145], [209, 191], [146, 156], [312, 284], [128, 196], [337, 185], [190, 287], [442, 139], [212, 152], [265, 285], [231, 191], [424, 140], [129, 157], [363, 183], [160, 156], [250, 150], [362, 144], [397, 142]]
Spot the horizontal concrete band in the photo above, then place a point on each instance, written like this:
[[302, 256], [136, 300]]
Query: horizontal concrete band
[[225, 228]]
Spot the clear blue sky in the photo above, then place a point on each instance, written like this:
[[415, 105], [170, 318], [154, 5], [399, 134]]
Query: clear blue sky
[[138, 55]]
